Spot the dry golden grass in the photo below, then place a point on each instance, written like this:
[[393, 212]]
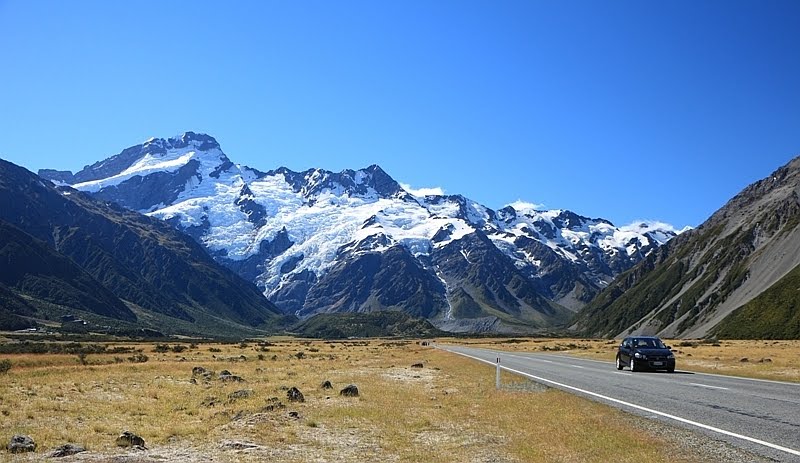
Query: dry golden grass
[[775, 360], [448, 411]]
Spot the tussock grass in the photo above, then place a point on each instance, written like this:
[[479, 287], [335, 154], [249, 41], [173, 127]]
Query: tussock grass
[[447, 411]]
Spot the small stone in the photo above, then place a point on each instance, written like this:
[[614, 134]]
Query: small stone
[[198, 370], [326, 385], [417, 365], [294, 395], [295, 415], [240, 394], [744, 360], [21, 444], [349, 391], [67, 450], [129, 439], [209, 401], [237, 445], [231, 378]]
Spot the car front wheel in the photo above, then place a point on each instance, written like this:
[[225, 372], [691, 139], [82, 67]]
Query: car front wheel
[[619, 363], [633, 365]]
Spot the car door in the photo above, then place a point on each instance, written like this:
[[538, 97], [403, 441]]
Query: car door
[[625, 351]]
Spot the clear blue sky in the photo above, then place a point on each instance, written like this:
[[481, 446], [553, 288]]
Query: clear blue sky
[[618, 109]]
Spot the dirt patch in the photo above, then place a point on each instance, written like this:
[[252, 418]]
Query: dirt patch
[[411, 375]]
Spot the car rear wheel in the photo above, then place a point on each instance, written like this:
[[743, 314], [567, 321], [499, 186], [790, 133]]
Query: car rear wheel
[[633, 365], [619, 363]]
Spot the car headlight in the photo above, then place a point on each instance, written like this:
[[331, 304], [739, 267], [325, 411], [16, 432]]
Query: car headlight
[[639, 356], [671, 356]]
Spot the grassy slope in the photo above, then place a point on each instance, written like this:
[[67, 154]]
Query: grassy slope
[[774, 314], [373, 324]]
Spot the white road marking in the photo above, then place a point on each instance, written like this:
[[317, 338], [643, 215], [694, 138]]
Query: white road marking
[[644, 409], [710, 387], [576, 366], [744, 378]]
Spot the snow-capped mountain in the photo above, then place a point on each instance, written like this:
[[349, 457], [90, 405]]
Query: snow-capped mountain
[[319, 241]]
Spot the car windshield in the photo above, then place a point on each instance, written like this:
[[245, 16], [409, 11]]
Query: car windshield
[[649, 343]]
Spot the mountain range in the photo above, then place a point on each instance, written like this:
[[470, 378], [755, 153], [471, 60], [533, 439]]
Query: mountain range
[[68, 256], [317, 242]]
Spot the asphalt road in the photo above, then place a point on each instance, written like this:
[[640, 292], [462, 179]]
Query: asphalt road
[[757, 415]]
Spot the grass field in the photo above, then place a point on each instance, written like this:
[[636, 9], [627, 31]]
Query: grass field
[[775, 360], [446, 411]]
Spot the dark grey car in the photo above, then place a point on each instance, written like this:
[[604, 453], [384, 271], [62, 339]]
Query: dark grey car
[[645, 353]]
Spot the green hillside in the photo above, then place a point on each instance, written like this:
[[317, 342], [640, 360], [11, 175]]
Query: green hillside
[[774, 314]]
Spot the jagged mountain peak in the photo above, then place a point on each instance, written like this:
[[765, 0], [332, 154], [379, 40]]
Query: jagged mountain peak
[[152, 155], [292, 232], [366, 182]]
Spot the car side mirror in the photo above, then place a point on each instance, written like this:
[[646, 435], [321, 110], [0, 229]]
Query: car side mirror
[[669, 347]]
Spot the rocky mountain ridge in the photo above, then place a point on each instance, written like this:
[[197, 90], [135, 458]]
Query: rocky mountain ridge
[[734, 276], [356, 241], [66, 253]]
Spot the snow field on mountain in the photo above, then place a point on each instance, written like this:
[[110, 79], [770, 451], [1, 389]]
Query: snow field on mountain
[[170, 161], [329, 217]]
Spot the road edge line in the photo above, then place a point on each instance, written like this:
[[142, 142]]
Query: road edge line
[[638, 407]]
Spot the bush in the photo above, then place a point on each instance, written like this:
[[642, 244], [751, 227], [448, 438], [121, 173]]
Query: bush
[[161, 348], [138, 358], [5, 365]]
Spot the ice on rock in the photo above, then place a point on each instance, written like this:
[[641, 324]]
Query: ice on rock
[[321, 216]]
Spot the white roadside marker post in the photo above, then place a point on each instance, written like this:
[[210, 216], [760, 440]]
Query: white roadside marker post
[[497, 376]]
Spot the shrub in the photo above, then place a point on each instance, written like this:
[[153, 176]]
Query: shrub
[[5, 365], [161, 348], [138, 358]]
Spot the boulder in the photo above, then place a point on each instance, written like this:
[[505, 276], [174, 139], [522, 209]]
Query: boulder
[[67, 450], [129, 439], [294, 395], [349, 391], [21, 444]]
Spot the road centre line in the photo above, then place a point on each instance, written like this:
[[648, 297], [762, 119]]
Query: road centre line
[[639, 407], [709, 387]]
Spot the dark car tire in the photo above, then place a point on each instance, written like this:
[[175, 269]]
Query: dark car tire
[[670, 370], [619, 364], [633, 365]]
